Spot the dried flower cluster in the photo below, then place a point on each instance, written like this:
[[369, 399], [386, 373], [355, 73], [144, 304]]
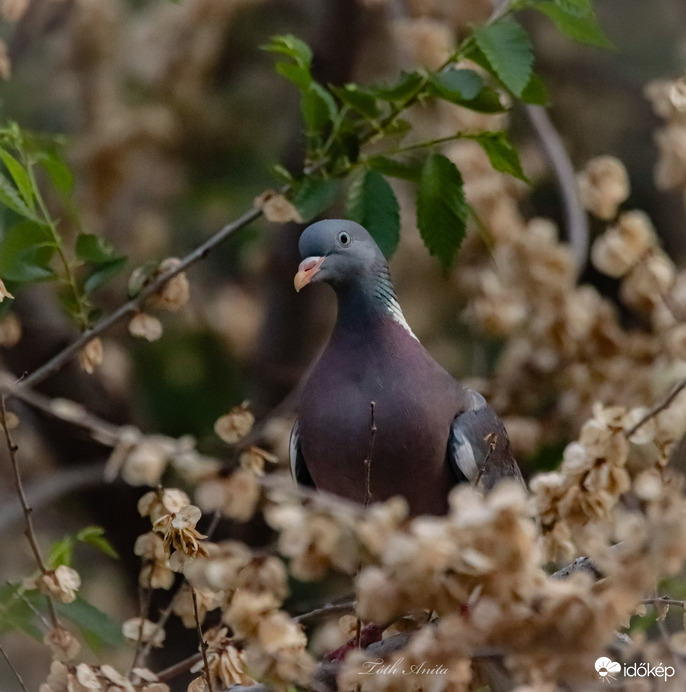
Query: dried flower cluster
[[668, 97], [84, 678]]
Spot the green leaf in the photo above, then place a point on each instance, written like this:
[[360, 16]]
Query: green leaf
[[103, 273], [95, 536], [318, 108], [502, 155], [20, 176], [405, 88], [315, 196], [297, 74], [577, 8], [95, 249], [61, 553], [509, 52], [98, 629], [441, 208], [281, 173], [362, 101], [55, 166], [372, 203], [292, 47], [407, 169], [581, 28], [25, 253], [536, 92], [16, 612], [10, 197], [456, 85], [466, 88]]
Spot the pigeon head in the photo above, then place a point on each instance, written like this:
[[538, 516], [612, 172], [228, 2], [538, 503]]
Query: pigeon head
[[337, 252]]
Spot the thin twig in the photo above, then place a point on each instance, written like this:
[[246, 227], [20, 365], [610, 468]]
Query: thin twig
[[658, 408], [18, 593], [179, 668], [664, 600], [133, 305], [29, 530], [368, 459], [558, 158], [492, 442], [203, 643], [15, 672], [324, 612], [144, 599]]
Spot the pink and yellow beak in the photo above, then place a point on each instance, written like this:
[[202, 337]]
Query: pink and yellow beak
[[306, 271]]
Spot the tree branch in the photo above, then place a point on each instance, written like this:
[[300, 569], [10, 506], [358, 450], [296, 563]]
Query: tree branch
[[29, 530], [658, 408], [575, 216], [132, 306]]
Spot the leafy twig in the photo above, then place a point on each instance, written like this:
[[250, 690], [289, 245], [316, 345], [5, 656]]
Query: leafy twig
[[133, 305]]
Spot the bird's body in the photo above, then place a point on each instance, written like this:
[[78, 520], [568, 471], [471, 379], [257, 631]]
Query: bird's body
[[378, 415]]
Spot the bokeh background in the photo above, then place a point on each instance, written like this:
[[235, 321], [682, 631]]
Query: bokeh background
[[173, 116]]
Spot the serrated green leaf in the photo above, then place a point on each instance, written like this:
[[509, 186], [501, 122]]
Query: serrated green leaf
[[536, 92], [95, 249], [362, 101], [406, 169], [98, 628], [581, 28], [299, 75], [61, 553], [403, 89], [21, 178], [460, 88], [502, 155], [55, 166], [103, 273], [292, 46], [315, 196], [95, 536], [372, 203], [10, 197], [441, 208], [456, 85], [509, 52], [318, 108], [25, 253]]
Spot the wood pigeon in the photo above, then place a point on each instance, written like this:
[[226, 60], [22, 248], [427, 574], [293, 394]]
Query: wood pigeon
[[378, 416]]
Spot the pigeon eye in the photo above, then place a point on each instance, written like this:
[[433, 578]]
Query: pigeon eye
[[344, 239]]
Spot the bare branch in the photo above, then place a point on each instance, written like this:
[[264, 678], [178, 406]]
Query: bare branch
[[575, 216], [15, 672], [325, 611], [203, 643], [658, 408], [29, 530]]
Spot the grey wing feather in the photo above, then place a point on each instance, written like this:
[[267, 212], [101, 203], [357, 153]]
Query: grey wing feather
[[299, 470], [478, 446]]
